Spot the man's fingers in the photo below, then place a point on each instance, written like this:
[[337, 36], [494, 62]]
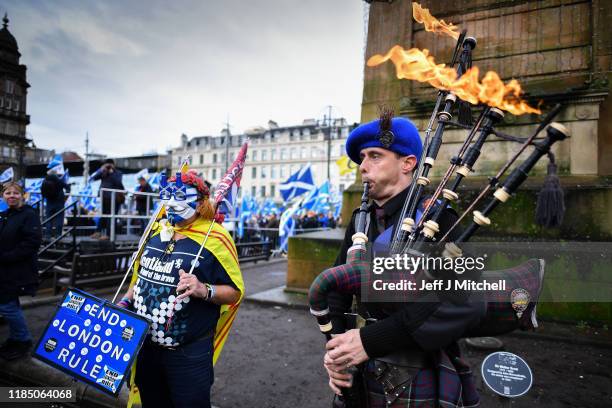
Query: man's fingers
[[185, 294], [333, 343], [181, 272], [337, 355], [333, 387]]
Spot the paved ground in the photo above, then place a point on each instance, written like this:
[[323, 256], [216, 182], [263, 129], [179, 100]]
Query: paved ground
[[273, 359]]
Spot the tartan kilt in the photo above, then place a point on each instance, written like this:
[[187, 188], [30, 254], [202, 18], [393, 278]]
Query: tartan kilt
[[449, 383]]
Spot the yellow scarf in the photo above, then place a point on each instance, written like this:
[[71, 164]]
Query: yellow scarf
[[221, 245]]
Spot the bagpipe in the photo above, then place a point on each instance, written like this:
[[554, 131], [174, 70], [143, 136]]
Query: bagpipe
[[418, 232]]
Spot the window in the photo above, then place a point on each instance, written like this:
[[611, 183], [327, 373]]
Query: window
[[214, 174], [273, 154], [264, 171], [254, 155], [214, 157], [282, 172], [9, 86], [253, 191], [283, 153], [264, 155], [341, 150], [292, 153], [341, 188], [201, 159], [292, 136], [302, 152], [313, 152], [273, 172], [272, 190], [263, 191], [254, 172]]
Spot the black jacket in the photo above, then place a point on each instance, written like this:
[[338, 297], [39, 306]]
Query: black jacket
[[19, 243], [395, 331]]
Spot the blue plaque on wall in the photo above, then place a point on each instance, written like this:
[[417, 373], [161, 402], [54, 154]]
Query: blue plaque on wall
[[506, 374], [92, 340]]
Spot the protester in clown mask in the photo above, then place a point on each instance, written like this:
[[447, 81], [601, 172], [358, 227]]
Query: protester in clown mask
[[175, 364]]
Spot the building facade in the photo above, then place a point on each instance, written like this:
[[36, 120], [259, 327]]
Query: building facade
[[274, 154], [13, 97], [153, 162]]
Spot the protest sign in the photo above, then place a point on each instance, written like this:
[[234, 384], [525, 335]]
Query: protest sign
[[92, 340]]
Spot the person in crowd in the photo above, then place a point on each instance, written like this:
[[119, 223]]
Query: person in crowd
[[20, 238], [331, 223], [175, 365], [110, 178], [142, 200], [52, 189], [272, 227], [310, 222]]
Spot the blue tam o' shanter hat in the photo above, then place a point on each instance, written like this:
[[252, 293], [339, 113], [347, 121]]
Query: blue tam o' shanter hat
[[402, 138]]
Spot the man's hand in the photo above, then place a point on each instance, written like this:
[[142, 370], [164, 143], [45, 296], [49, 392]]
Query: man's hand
[[338, 377], [346, 349], [189, 285]]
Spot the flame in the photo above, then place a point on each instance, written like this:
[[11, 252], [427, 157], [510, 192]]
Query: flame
[[423, 16], [418, 65]]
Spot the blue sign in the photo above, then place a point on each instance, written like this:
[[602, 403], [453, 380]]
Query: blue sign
[[506, 374], [92, 340]]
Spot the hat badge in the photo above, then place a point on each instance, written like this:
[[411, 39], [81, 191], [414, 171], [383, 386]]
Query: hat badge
[[386, 138]]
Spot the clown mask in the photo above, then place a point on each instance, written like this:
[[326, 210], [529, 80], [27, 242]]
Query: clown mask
[[180, 200]]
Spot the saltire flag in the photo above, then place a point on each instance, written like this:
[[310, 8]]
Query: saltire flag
[[226, 191], [144, 173], [66, 177], [248, 207], [318, 200], [33, 191], [90, 202], [3, 205], [286, 227], [345, 165], [7, 175], [56, 164], [154, 181], [298, 183], [336, 202], [268, 207]]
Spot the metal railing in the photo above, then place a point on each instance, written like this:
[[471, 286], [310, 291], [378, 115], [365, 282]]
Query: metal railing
[[63, 233]]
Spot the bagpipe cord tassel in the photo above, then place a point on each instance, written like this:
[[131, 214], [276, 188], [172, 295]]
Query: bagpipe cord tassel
[[551, 206]]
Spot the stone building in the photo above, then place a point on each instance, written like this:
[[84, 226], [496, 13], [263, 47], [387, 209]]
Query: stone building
[[13, 97], [274, 154]]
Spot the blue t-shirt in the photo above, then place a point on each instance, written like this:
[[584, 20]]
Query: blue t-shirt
[[155, 291]]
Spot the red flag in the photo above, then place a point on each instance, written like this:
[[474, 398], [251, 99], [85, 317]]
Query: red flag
[[227, 189]]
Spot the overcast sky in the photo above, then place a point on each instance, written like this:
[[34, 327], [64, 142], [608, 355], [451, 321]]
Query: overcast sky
[[137, 74]]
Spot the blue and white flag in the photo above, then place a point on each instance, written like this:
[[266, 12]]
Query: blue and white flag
[[90, 202], [154, 180], [7, 175], [286, 227], [248, 208], [298, 183], [66, 177], [33, 190], [318, 200], [56, 165], [144, 173]]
